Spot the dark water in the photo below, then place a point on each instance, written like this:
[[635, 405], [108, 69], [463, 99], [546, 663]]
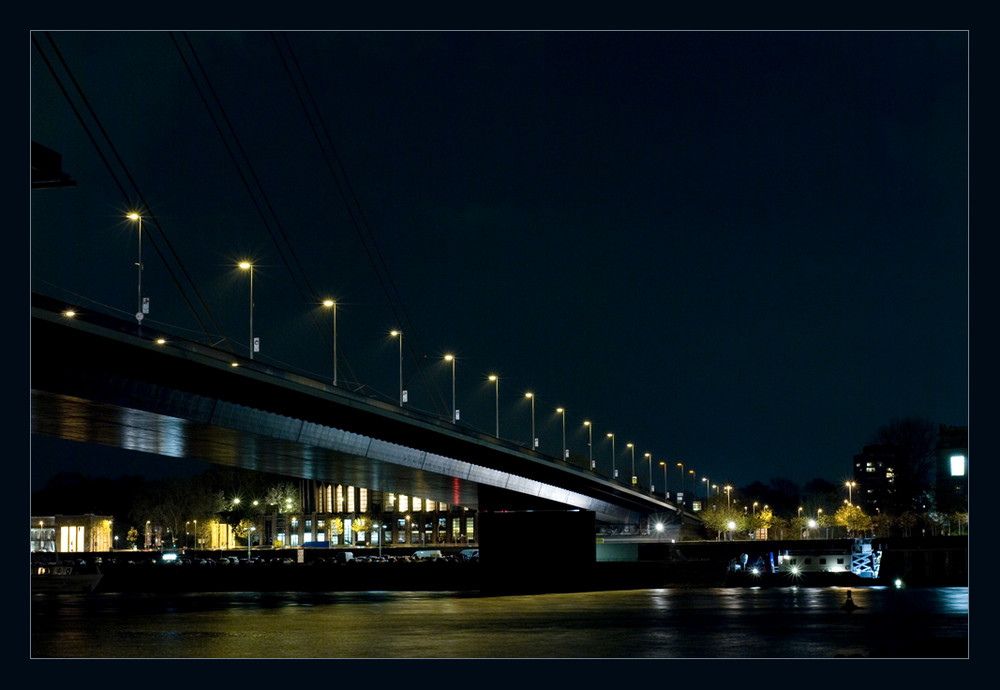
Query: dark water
[[651, 623]]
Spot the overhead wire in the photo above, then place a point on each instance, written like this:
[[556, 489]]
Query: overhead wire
[[356, 212], [114, 176]]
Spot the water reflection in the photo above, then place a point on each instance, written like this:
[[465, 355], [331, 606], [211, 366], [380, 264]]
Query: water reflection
[[664, 623]]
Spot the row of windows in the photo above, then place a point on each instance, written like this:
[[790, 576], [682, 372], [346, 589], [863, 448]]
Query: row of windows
[[373, 538], [349, 499]]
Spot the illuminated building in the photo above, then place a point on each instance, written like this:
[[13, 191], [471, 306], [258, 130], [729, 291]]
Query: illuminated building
[[71, 533]]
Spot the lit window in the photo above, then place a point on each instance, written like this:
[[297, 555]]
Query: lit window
[[350, 499], [957, 465], [404, 503], [364, 500], [417, 504], [340, 499]]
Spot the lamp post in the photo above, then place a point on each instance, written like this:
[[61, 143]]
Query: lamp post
[[247, 266], [534, 441], [614, 466], [728, 488], [454, 410], [330, 304], [563, 413], [138, 218], [664, 465], [707, 489], [681, 465], [649, 462], [632, 448], [399, 334], [496, 380], [849, 485], [590, 442]]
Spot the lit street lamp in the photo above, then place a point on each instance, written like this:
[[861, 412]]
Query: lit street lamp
[[681, 465], [614, 466], [330, 304], [632, 448], [534, 441], [850, 485], [454, 410], [590, 442], [399, 334], [649, 461], [140, 312], [496, 380], [247, 266], [728, 488], [664, 465], [707, 489], [563, 413]]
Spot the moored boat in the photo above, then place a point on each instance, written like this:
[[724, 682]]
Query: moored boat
[[858, 565], [64, 578]]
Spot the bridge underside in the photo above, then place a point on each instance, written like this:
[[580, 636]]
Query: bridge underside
[[116, 387], [401, 470]]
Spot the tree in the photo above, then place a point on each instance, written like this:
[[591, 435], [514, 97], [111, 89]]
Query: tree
[[913, 440], [132, 537], [853, 519]]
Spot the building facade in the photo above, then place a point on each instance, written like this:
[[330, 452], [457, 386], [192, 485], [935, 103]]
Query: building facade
[[874, 477], [71, 533], [356, 516]]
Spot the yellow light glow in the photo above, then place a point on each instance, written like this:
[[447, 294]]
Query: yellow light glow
[[328, 303], [245, 265], [133, 216], [448, 358], [70, 313]]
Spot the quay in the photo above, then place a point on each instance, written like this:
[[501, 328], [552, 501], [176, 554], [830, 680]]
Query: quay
[[625, 564]]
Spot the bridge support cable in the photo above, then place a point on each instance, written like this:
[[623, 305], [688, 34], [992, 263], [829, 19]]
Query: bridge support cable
[[127, 197]]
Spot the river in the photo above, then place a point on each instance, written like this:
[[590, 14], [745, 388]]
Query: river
[[690, 623]]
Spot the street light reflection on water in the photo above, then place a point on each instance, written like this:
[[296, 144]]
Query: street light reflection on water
[[786, 622]]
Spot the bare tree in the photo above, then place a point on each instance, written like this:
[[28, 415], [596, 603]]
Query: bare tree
[[913, 440]]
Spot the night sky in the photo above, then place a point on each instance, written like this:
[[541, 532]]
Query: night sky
[[740, 251]]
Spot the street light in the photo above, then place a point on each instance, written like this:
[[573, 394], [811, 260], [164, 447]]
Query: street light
[[590, 442], [563, 413], [632, 448], [649, 462], [454, 410], [534, 441], [614, 467], [330, 304], [496, 380], [247, 266], [707, 489], [399, 334], [754, 512], [849, 485], [664, 465], [681, 465], [728, 488], [139, 312]]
